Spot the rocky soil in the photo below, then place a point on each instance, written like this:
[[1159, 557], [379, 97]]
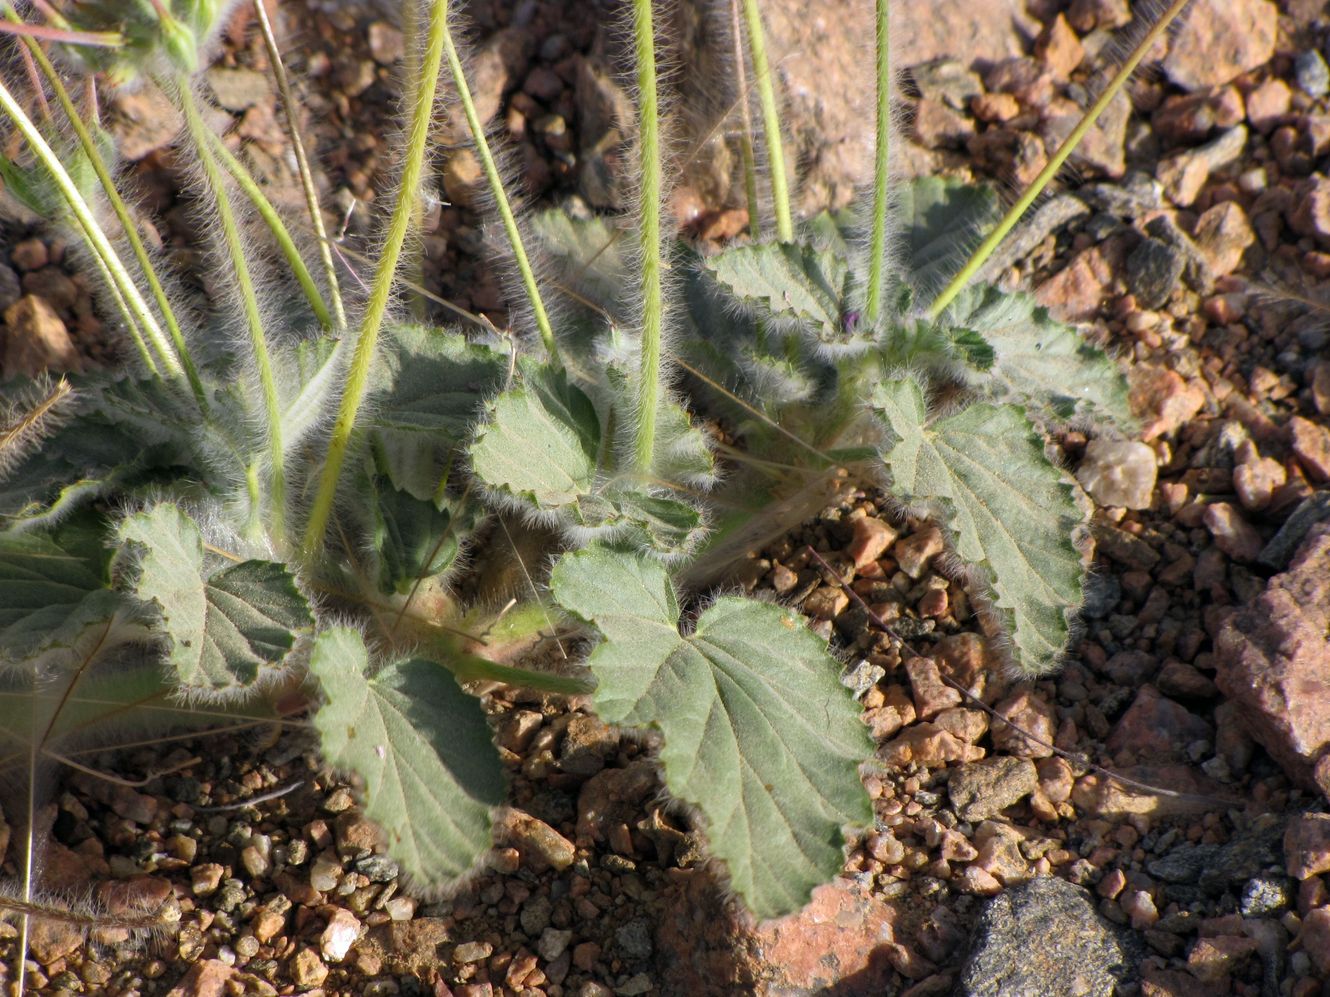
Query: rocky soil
[[1193, 237]]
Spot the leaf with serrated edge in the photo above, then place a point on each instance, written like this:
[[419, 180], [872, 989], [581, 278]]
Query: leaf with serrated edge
[[940, 221], [224, 627], [1010, 512], [539, 443], [789, 280], [422, 748], [1043, 363], [758, 732]]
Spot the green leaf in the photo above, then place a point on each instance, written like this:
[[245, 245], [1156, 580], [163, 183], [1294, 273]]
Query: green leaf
[[758, 732], [416, 539], [1009, 511], [433, 385], [787, 281], [40, 583], [1041, 362], [422, 748], [316, 367], [540, 442], [224, 626], [939, 222], [683, 455]]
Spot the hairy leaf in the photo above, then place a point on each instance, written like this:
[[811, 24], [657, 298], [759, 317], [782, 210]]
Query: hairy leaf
[[433, 385], [1009, 511], [415, 539], [940, 222], [41, 581], [758, 732], [540, 443], [422, 748], [224, 626], [787, 280], [1043, 363]]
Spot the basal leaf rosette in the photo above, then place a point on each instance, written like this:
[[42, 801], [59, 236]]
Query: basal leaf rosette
[[758, 732]]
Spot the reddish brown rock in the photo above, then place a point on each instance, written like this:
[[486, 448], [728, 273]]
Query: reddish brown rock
[[843, 934], [1220, 40], [872, 538], [1058, 47], [1163, 399], [1103, 796], [1155, 728], [1307, 845], [1311, 444], [1077, 291], [1232, 533], [931, 694], [1315, 938], [1268, 103], [1224, 235], [1032, 713], [1273, 661], [206, 979], [35, 339], [1212, 960]]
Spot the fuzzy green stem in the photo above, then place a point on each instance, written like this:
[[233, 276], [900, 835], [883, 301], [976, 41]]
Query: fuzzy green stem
[[278, 229], [649, 193], [766, 94], [127, 316], [877, 249], [92, 231], [746, 136], [302, 163], [415, 263], [122, 215], [381, 292], [500, 197], [1017, 210], [203, 142]]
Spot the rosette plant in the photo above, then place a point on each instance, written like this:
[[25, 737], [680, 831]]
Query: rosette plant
[[261, 516]]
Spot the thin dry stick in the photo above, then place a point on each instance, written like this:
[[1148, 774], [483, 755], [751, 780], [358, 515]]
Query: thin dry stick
[[1075, 759]]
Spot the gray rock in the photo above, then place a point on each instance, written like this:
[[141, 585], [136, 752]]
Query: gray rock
[[1153, 270], [1265, 896], [984, 788], [1311, 73], [633, 940], [378, 868], [1044, 939], [1312, 510]]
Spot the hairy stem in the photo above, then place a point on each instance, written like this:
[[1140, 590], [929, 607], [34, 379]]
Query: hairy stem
[[203, 142], [121, 210], [377, 306], [500, 197], [278, 229], [1017, 210], [766, 95], [302, 163], [92, 231], [878, 246], [746, 137], [649, 193], [415, 262]]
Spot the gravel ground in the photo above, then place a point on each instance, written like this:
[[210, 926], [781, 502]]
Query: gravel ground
[[1193, 238]]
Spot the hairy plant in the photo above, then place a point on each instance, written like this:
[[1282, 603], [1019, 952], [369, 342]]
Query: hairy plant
[[276, 515]]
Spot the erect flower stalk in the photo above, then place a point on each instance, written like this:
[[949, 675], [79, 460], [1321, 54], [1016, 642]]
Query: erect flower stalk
[[302, 163], [203, 142], [122, 215], [649, 193], [1055, 162], [92, 231], [285, 243], [766, 94], [878, 246], [505, 210], [747, 158], [376, 307]]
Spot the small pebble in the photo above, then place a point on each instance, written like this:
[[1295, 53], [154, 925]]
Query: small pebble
[[1311, 73]]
